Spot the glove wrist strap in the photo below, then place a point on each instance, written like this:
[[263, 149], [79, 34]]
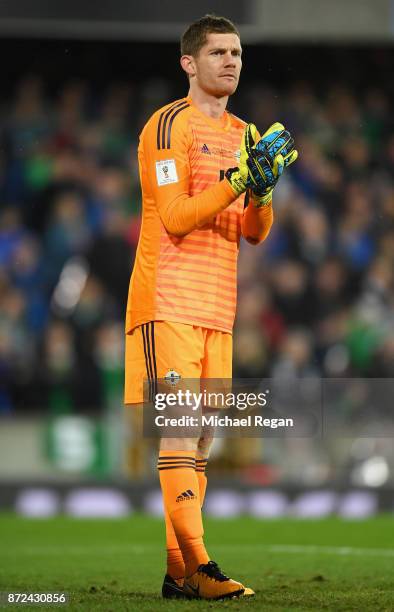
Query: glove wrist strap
[[263, 201]]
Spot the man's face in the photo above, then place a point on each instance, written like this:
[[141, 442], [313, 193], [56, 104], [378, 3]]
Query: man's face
[[218, 65]]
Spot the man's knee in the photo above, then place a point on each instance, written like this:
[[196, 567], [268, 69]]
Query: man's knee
[[186, 444], [204, 444]]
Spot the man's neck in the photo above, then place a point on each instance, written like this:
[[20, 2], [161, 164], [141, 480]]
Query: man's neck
[[207, 104]]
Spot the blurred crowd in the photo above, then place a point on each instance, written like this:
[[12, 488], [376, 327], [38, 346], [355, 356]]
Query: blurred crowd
[[316, 299]]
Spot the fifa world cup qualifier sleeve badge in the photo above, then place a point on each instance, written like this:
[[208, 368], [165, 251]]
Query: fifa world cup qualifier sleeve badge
[[166, 172]]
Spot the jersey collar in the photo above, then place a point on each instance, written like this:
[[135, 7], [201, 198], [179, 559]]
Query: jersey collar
[[222, 124]]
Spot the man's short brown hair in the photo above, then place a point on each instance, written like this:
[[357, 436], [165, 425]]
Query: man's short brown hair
[[195, 36]]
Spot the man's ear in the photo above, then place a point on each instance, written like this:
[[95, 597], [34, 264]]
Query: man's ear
[[188, 65]]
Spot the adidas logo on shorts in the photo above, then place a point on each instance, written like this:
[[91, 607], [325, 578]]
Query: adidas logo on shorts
[[186, 495]]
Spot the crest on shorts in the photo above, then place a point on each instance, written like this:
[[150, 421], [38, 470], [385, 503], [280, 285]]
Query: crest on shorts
[[172, 378]]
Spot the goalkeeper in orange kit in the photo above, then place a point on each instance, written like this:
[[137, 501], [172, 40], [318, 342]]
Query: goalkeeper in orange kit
[[207, 179]]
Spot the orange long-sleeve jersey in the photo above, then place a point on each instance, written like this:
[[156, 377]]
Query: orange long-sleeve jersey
[[186, 262]]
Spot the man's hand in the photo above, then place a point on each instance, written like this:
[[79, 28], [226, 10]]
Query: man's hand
[[278, 140], [262, 163]]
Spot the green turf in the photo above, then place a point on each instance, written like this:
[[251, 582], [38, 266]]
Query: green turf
[[116, 565]]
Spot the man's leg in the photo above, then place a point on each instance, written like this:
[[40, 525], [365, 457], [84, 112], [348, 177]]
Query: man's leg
[[160, 346], [152, 350], [216, 364], [202, 455], [180, 488], [175, 563]]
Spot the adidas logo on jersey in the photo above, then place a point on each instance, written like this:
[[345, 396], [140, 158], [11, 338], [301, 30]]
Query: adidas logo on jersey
[[186, 495], [204, 149]]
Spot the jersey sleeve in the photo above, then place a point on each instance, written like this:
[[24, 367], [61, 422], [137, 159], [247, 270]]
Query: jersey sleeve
[[256, 223], [164, 154]]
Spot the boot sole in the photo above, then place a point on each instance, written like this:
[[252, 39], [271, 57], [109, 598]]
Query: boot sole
[[234, 594]]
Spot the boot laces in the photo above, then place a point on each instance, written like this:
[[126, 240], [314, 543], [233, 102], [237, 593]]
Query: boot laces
[[212, 570]]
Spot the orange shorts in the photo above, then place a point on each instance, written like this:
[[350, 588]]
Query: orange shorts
[[162, 349]]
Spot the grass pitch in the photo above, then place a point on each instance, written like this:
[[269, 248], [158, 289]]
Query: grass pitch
[[116, 565]]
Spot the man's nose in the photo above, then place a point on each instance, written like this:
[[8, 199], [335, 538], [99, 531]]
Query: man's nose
[[229, 59]]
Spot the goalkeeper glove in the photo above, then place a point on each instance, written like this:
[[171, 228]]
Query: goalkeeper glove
[[273, 170], [276, 140], [262, 164], [278, 146]]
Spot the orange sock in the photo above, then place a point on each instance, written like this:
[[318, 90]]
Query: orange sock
[[175, 562], [201, 464], [179, 485]]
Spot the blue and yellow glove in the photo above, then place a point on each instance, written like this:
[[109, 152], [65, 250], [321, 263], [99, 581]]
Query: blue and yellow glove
[[262, 163], [277, 140]]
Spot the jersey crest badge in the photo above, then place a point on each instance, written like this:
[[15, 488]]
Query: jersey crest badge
[[172, 378]]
